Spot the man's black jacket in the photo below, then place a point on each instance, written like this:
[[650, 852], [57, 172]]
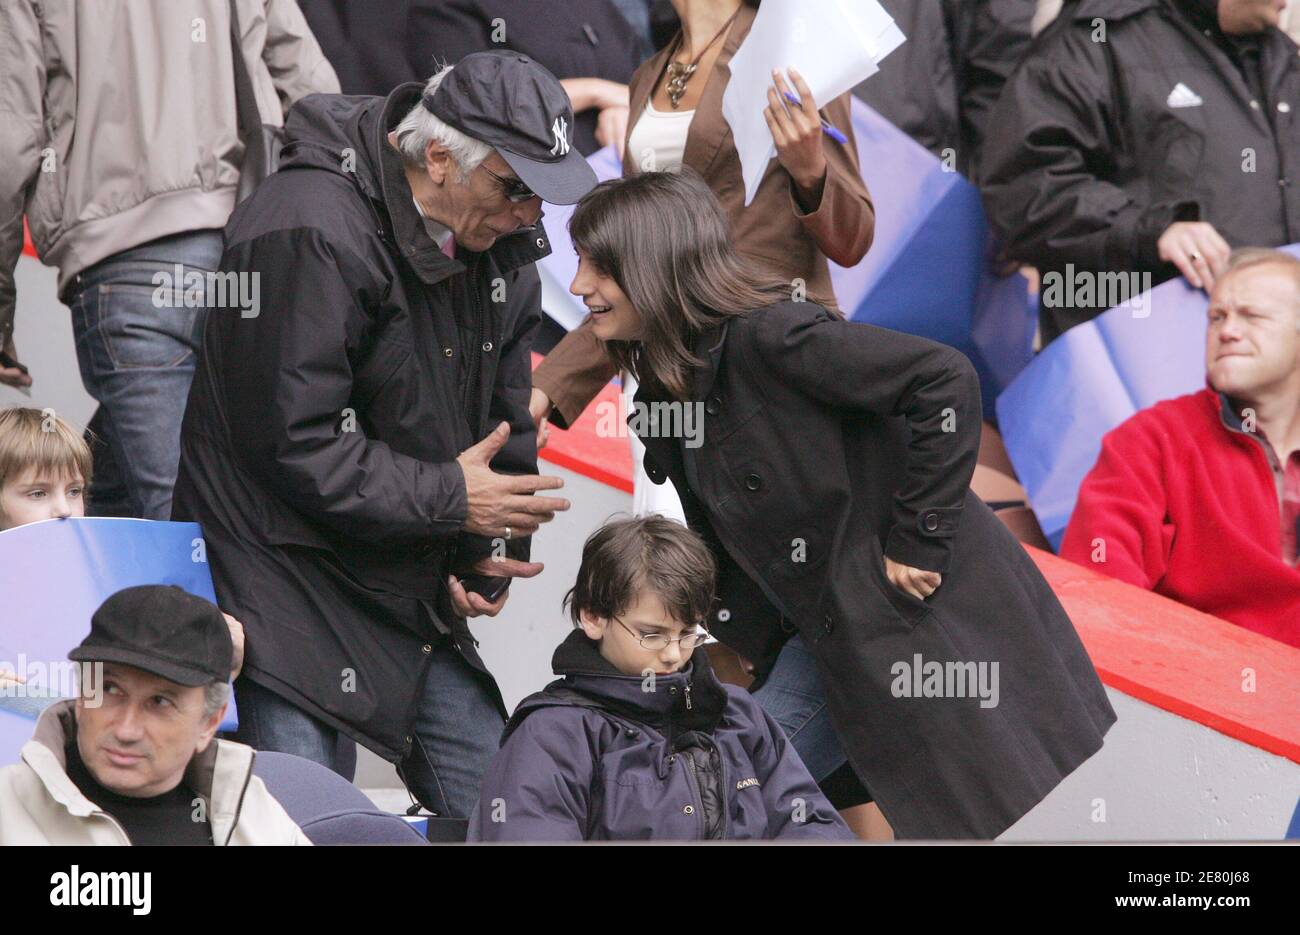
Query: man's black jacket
[[319, 444], [940, 86], [1125, 117]]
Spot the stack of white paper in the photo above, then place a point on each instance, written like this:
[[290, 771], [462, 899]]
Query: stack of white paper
[[833, 44]]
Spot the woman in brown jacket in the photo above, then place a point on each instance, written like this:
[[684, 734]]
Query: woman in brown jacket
[[811, 205]]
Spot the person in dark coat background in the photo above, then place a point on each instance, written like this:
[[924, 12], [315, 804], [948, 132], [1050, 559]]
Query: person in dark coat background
[[639, 740], [587, 44], [830, 474], [1154, 151], [334, 447], [941, 84]]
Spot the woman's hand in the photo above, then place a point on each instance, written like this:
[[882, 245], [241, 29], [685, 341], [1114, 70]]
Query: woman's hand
[[915, 581], [12, 375], [539, 407], [610, 98], [611, 127], [797, 132]]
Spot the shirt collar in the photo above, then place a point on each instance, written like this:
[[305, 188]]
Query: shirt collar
[[437, 231], [1233, 422]]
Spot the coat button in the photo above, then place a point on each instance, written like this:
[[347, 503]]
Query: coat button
[[787, 626], [724, 615], [487, 347], [753, 482], [446, 352], [713, 406], [541, 243], [1254, 105], [407, 738], [1284, 107], [688, 810], [931, 522], [427, 647], [829, 625]]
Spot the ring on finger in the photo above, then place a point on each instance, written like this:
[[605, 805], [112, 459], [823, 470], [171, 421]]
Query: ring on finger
[[507, 532], [1194, 256]]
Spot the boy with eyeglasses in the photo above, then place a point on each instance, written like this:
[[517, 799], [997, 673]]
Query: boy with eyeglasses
[[638, 740]]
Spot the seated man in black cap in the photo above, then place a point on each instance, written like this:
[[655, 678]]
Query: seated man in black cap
[[133, 759], [360, 441]]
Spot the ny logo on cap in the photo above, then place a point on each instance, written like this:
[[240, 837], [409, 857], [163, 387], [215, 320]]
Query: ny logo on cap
[[560, 130]]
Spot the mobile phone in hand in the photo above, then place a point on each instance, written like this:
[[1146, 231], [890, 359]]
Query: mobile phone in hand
[[488, 587]]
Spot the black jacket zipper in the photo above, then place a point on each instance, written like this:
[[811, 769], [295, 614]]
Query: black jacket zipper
[[472, 394]]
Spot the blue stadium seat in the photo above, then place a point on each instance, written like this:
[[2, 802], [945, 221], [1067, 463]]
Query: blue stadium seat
[[328, 808]]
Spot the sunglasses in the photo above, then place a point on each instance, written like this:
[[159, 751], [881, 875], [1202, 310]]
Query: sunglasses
[[514, 189]]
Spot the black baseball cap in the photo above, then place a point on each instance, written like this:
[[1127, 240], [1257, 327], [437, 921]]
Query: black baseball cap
[[161, 629], [517, 107]]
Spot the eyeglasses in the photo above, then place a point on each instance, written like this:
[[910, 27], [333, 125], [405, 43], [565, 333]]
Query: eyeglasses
[[656, 642], [514, 189]]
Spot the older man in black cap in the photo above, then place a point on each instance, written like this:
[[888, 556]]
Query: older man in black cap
[[132, 760], [361, 442]]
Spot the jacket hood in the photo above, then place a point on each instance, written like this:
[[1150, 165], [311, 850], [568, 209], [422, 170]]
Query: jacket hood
[[321, 130], [691, 699]]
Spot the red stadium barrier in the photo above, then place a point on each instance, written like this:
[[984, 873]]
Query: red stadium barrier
[[581, 450], [1181, 660]]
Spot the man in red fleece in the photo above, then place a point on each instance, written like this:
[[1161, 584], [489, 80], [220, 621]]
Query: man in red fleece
[[1198, 498]]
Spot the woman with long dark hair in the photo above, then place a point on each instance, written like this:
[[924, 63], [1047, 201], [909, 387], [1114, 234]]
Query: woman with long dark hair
[[811, 206], [832, 483]]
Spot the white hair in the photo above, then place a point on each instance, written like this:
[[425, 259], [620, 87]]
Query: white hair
[[420, 127], [214, 696]]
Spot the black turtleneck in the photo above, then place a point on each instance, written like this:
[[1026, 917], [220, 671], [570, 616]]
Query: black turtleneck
[[159, 819]]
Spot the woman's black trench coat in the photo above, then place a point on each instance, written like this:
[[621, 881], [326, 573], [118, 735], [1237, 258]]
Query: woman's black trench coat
[[827, 445]]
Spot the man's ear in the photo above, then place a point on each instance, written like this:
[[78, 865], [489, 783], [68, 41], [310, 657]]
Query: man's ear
[[592, 625], [438, 163], [210, 726]]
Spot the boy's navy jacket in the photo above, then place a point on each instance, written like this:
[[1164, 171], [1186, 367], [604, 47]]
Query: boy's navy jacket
[[594, 756]]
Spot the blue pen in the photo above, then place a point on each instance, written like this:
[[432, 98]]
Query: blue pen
[[829, 129]]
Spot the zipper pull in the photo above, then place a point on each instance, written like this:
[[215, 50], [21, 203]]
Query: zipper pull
[[688, 697]]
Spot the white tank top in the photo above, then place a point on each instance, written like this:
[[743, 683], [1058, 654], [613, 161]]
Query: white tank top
[[658, 139]]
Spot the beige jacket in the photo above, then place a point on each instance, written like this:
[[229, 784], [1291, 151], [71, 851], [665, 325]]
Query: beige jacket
[[117, 119], [39, 804]]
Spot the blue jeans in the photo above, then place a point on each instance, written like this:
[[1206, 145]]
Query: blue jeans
[[457, 730], [795, 698], [137, 358], [269, 722]]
